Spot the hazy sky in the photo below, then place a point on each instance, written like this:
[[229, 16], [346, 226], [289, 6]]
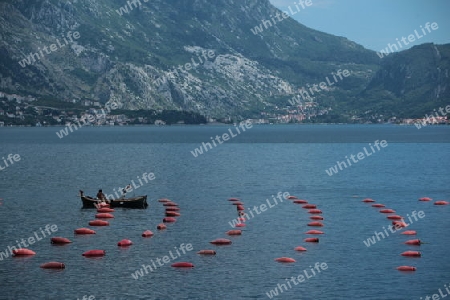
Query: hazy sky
[[375, 23]]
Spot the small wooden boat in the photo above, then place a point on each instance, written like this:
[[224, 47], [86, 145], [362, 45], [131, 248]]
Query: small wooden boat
[[134, 202]]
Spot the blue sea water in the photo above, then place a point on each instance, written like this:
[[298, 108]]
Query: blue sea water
[[42, 188]]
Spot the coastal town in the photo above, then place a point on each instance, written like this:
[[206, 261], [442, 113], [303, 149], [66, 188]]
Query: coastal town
[[17, 110]]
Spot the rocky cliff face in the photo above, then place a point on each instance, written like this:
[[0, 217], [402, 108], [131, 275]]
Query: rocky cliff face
[[205, 56]]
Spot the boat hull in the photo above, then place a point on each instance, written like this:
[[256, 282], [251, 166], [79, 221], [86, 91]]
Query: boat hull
[[139, 202]]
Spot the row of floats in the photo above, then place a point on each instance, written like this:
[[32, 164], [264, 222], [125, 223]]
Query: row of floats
[[399, 223], [104, 212], [317, 221]]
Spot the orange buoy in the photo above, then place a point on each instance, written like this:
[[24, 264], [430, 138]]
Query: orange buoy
[[399, 224], [406, 268], [240, 225], [164, 200], [412, 253], [98, 223], [103, 205], [387, 211], [300, 201], [161, 226], [172, 208], [182, 265], [172, 214], [394, 217], [315, 223], [314, 211], [95, 252], [309, 206], [105, 210], [378, 205], [300, 248], [207, 252], [237, 203], [311, 240], [23, 252], [314, 232], [425, 199], [368, 200], [416, 242], [285, 259], [316, 218], [169, 220], [234, 232], [147, 233], [60, 240], [241, 219], [409, 232], [291, 197], [240, 207], [170, 204], [53, 265], [234, 199], [221, 242], [124, 243], [104, 216], [441, 202], [84, 231]]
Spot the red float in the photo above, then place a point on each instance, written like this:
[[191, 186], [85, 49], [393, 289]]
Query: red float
[[104, 216], [164, 200], [240, 207], [416, 242], [172, 214], [221, 242], [409, 232], [387, 211], [285, 259], [241, 219], [314, 211], [237, 203], [84, 231], [378, 205], [425, 199], [94, 253], [161, 226], [399, 224], [309, 206], [234, 199], [234, 232], [60, 240], [300, 248], [98, 223], [441, 202], [311, 240], [23, 252], [53, 265], [240, 225], [406, 268], [147, 233], [207, 252], [300, 201], [412, 253], [316, 218], [170, 204], [172, 208], [183, 265], [169, 220], [291, 197], [394, 217], [315, 223], [105, 210], [124, 243], [368, 200], [314, 232]]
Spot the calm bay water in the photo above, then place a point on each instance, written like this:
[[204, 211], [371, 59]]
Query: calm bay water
[[42, 189]]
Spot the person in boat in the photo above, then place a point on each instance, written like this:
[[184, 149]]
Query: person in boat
[[101, 196], [125, 190]]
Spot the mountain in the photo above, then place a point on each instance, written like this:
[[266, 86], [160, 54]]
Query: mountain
[[221, 58]]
